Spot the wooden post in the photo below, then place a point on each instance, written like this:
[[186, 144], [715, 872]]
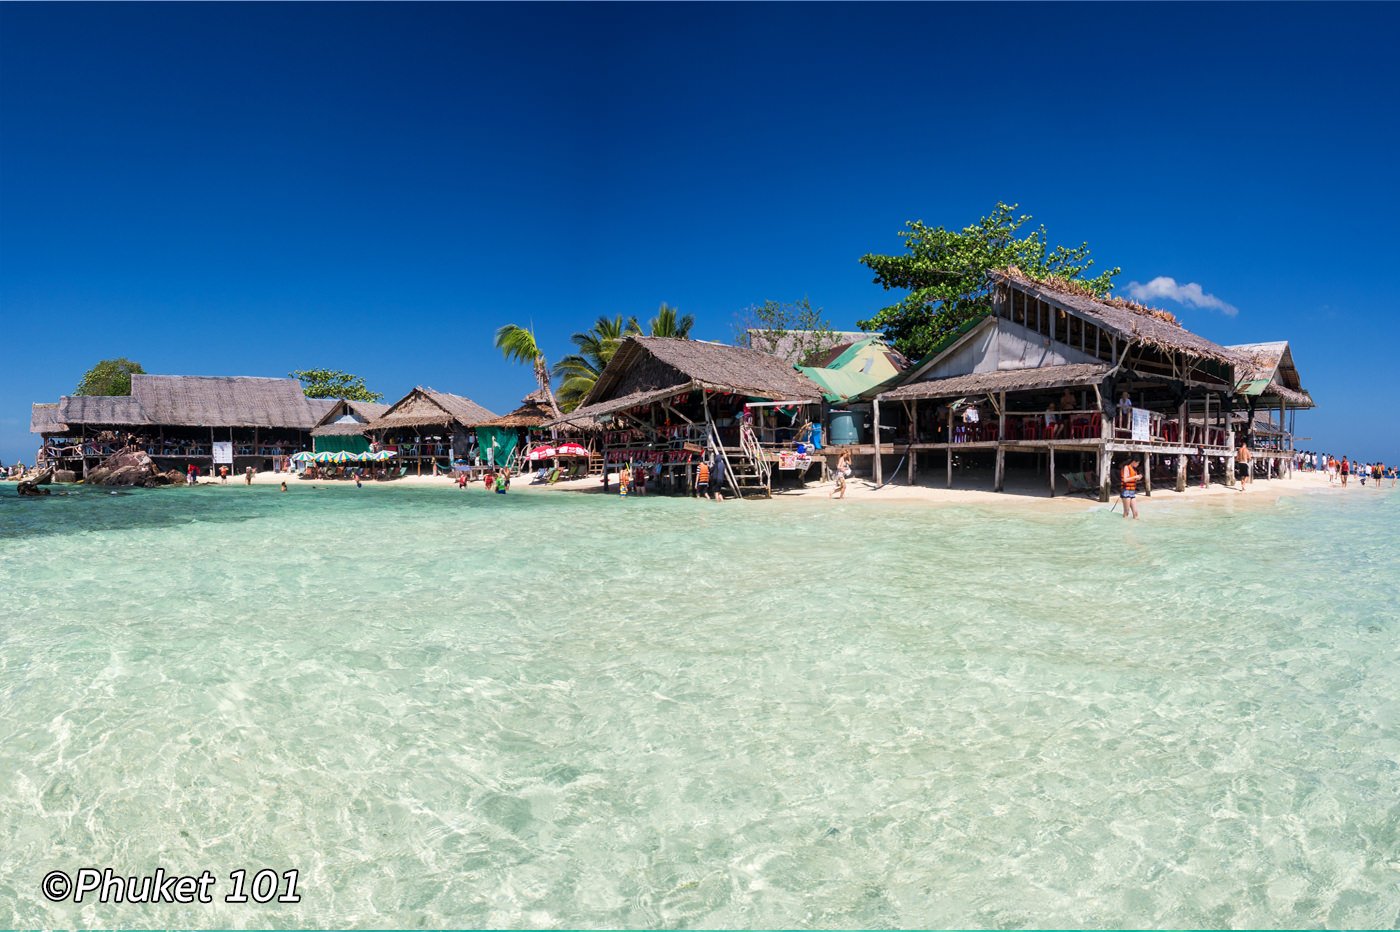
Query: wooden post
[[950, 445], [1105, 467], [1052, 470], [1230, 460], [875, 427], [1181, 419], [999, 480], [1147, 474], [913, 437]]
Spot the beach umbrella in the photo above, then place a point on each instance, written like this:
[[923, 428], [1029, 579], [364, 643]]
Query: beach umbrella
[[542, 452], [570, 449], [343, 456], [323, 457], [303, 457], [382, 455]]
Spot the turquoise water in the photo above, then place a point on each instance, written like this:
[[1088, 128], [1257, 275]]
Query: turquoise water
[[449, 708]]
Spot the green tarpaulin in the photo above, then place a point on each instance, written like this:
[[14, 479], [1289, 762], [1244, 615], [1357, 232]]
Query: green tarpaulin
[[501, 439]]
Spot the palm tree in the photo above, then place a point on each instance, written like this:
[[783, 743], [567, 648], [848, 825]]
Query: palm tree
[[669, 322], [578, 372], [518, 344]]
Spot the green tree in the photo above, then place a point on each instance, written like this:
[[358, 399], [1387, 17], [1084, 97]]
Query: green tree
[[669, 322], [945, 273], [331, 383], [109, 377], [518, 344], [791, 330], [578, 372]]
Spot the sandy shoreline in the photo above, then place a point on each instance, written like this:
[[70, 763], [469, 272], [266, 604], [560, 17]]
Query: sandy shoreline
[[1021, 492]]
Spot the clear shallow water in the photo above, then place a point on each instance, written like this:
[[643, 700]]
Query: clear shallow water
[[451, 708]]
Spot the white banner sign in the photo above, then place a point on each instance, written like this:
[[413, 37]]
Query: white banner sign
[[223, 451], [1142, 424]]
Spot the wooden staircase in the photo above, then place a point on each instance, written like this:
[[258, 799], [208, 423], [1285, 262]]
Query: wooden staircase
[[747, 471]]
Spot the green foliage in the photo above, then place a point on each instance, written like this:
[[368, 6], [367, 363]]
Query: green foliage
[[518, 344], [945, 273], [794, 330], [578, 372], [669, 322], [109, 377], [332, 383]]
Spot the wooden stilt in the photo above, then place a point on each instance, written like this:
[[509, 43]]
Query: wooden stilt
[[950, 446], [1181, 420], [879, 468], [1147, 474], [1105, 466], [913, 437], [1052, 472]]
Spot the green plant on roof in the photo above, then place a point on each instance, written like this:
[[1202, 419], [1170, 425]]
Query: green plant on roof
[[332, 383], [109, 377], [945, 273]]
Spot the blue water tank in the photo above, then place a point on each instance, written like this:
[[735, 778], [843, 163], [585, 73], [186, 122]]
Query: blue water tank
[[845, 428]]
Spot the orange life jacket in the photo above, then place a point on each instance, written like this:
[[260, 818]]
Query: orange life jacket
[[1130, 478]]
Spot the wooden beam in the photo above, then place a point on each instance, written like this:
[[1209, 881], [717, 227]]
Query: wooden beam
[[913, 436], [950, 446], [879, 467]]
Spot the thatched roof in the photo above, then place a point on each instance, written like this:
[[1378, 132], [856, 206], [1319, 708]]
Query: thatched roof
[[788, 344], [225, 401], [1002, 380], [534, 411], [197, 401], [424, 407], [347, 418], [43, 419], [1127, 320], [715, 366], [1268, 369]]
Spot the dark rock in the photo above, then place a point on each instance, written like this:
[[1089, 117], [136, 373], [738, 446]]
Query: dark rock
[[33, 485], [126, 467]]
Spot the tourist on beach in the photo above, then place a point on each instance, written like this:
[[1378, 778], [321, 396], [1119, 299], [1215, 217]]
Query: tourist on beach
[[639, 480], [501, 483], [223, 475], [843, 472], [624, 479], [248, 476], [1344, 470], [1243, 456], [717, 479], [284, 485], [702, 480], [1128, 480]]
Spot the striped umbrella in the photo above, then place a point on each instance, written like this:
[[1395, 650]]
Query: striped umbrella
[[383, 455], [303, 457], [344, 457], [323, 457]]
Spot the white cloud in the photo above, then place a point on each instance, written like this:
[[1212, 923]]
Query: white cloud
[[1189, 293]]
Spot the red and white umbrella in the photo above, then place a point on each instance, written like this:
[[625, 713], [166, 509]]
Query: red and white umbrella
[[547, 452]]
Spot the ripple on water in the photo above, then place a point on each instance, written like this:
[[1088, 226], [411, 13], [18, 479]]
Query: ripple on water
[[451, 708]]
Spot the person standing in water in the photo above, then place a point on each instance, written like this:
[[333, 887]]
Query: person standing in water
[[1128, 479], [717, 478]]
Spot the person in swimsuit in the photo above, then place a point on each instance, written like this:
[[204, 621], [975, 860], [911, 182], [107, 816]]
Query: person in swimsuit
[[1128, 478], [1244, 456]]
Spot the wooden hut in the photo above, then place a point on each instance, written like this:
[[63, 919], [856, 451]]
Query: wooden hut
[[510, 434], [238, 421], [429, 429], [664, 403], [1132, 378], [346, 426], [1270, 390]]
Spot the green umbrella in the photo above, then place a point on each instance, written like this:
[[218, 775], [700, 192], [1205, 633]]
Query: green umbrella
[[323, 457], [303, 457]]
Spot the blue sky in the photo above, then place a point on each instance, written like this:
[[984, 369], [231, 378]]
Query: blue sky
[[249, 189]]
